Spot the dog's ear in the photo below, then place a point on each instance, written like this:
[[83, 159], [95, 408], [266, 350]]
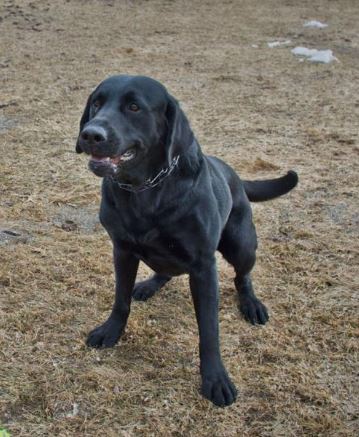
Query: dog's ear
[[179, 132], [84, 119]]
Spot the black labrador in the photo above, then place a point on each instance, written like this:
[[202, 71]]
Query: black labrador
[[167, 204]]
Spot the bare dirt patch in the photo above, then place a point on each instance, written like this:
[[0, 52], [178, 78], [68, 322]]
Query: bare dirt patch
[[262, 111]]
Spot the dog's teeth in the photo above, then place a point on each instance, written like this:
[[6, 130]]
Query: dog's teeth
[[127, 155]]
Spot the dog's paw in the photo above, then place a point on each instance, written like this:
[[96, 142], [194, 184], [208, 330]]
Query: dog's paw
[[253, 310], [219, 389], [144, 290], [106, 335]]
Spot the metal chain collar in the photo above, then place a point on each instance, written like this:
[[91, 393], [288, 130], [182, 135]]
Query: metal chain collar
[[150, 183]]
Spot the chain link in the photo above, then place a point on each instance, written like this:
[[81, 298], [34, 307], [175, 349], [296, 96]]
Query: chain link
[[150, 183]]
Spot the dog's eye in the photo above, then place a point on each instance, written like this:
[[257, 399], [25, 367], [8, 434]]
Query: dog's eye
[[133, 107], [96, 105]]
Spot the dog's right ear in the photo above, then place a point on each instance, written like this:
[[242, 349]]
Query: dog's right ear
[[84, 119]]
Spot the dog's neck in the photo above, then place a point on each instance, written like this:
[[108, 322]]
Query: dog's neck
[[150, 182], [188, 164]]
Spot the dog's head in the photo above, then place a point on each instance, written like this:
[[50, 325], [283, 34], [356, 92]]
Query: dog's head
[[131, 126]]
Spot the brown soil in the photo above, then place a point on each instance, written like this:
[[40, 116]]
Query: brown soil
[[262, 111]]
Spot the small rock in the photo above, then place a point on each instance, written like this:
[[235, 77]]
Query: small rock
[[69, 226]]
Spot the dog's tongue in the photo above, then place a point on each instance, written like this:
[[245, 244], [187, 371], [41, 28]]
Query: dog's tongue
[[106, 159], [102, 166], [99, 159]]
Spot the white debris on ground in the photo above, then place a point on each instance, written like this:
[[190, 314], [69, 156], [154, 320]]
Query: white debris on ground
[[314, 55], [278, 43], [75, 410], [315, 24]]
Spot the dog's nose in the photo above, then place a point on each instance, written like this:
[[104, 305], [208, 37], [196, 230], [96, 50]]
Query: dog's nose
[[93, 135]]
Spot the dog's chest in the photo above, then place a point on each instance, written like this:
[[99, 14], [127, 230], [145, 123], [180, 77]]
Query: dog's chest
[[163, 246], [164, 253]]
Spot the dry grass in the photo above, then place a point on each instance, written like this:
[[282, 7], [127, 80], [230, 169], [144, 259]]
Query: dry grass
[[263, 112]]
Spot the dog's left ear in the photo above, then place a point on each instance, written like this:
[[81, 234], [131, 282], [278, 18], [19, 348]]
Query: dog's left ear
[[84, 119], [179, 133]]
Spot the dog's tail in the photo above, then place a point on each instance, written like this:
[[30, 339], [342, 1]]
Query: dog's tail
[[259, 191]]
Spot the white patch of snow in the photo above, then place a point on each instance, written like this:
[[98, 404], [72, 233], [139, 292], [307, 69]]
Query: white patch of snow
[[315, 24], [303, 51], [324, 56], [314, 55], [278, 43]]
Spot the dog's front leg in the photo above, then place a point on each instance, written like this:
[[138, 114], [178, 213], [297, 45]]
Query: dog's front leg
[[216, 384], [107, 335]]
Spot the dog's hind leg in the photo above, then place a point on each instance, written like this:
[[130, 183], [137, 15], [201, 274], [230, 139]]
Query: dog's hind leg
[[238, 246], [145, 289]]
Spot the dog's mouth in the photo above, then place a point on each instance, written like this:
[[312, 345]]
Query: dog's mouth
[[107, 165]]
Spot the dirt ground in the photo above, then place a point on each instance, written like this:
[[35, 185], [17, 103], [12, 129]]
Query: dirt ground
[[260, 109]]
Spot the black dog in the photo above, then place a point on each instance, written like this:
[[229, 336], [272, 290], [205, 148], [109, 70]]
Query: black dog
[[167, 204]]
